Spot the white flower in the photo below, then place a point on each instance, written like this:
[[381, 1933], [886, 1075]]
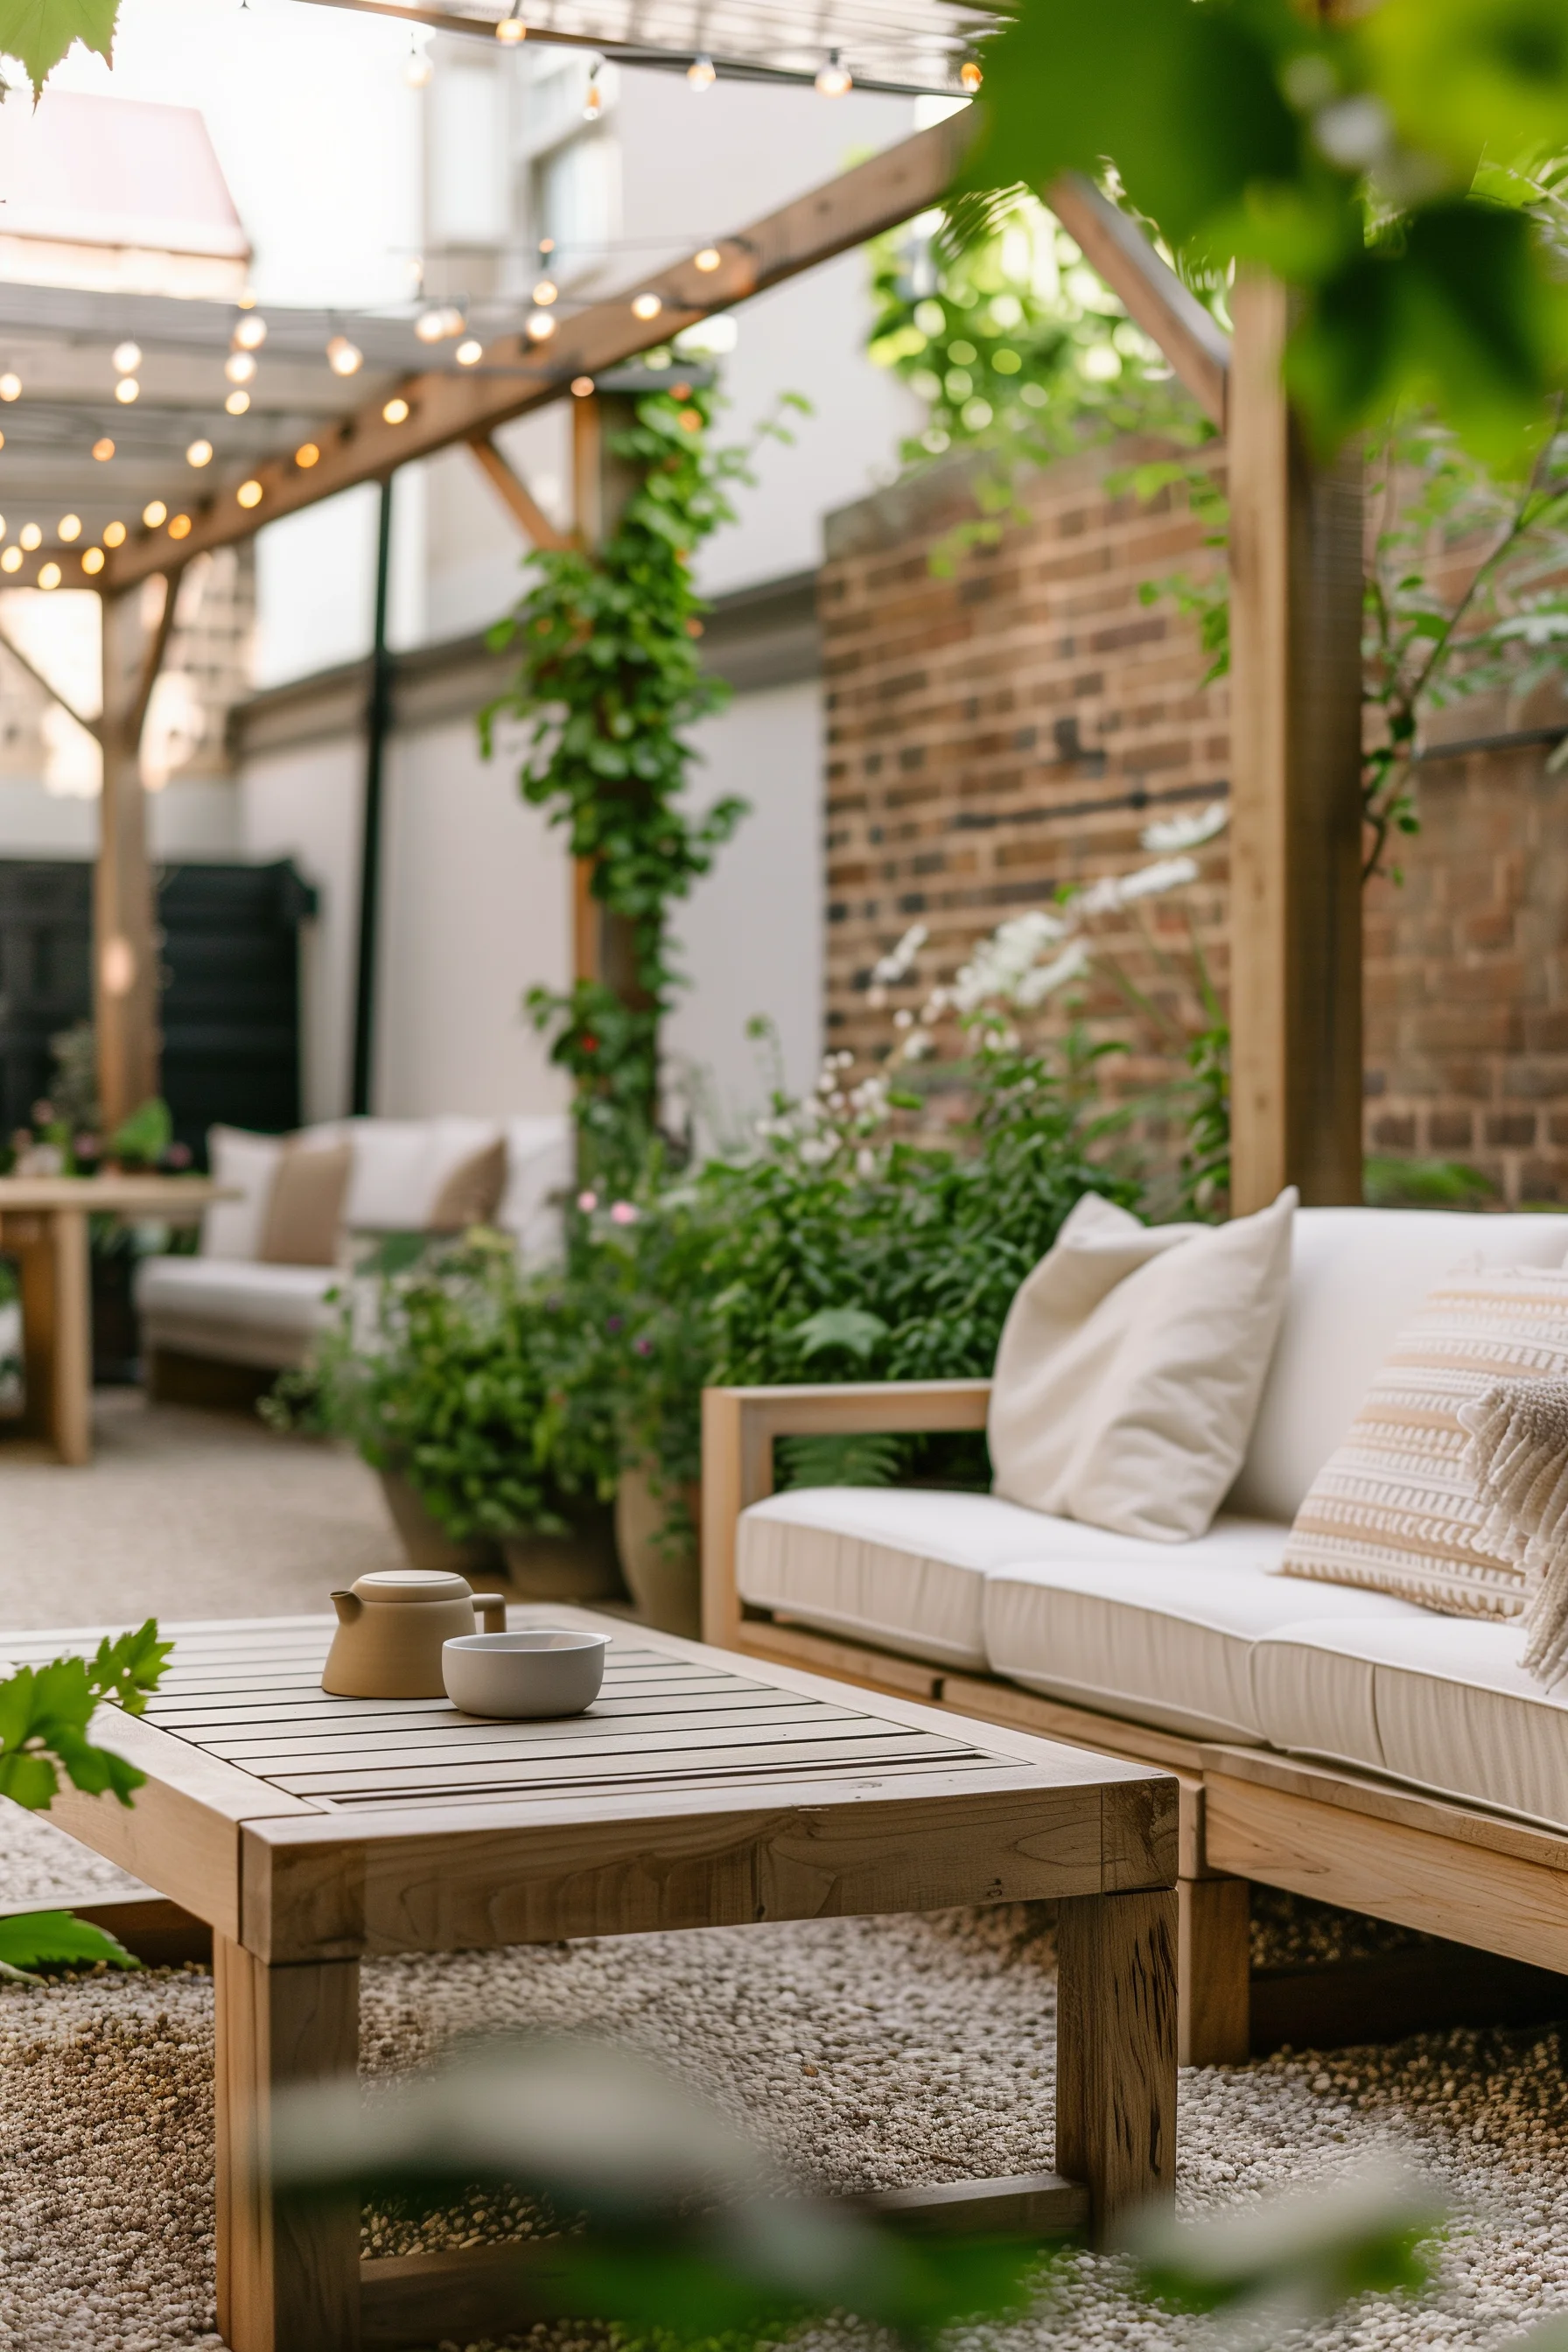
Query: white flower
[[815, 1149], [865, 1161], [935, 1005], [876, 996], [917, 1045], [891, 968], [1178, 832], [846, 1059], [1000, 963], [1114, 891], [1046, 978], [903, 1018], [836, 1100]]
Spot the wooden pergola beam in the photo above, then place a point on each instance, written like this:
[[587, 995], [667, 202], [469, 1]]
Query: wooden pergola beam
[[516, 497], [1153, 296]]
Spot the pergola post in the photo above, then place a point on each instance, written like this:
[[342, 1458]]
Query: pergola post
[[601, 941], [124, 920], [1296, 566]]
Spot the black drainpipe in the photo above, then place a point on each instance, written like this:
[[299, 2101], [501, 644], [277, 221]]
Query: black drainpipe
[[378, 720]]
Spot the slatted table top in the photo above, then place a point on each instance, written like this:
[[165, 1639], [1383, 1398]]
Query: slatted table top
[[257, 1776]]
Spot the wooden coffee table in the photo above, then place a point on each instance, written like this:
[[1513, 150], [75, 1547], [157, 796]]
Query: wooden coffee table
[[703, 1790]]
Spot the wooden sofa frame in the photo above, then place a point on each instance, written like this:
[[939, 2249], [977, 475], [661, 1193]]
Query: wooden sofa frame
[[1247, 1815]]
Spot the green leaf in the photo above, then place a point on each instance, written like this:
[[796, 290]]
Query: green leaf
[[39, 31], [35, 1939], [1461, 76], [841, 1326]]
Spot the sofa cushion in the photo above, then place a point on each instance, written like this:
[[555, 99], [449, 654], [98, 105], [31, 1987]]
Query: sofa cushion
[[401, 1165], [903, 1567], [239, 1313], [1156, 1636], [244, 1163], [1442, 1703], [540, 1165], [1357, 1276], [469, 1192], [1130, 1365], [305, 1203]]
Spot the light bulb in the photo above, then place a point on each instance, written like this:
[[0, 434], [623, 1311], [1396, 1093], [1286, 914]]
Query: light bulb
[[12, 560], [970, 77], [30, 536], [127, 358], [470, 353], [48, 575], [103, 450], [430, 326], [546, 244], [344, 358], [396, 412], [307, 455], [511, 28], [92, 560], [541, 326], [834, 79], [546, 292], [593, 99], [702, 73], [10, 385], [240, 368], [200, 452], [418, 71], [709, 258], [127, 390], [647, 306], [249, 494], [180, 526], [245, 297], [237, 402], [69, 527], [249, 334], [153, 513], [114, 535], [582, 385]]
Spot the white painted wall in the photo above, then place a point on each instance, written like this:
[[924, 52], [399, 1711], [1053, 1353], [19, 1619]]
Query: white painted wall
[[307, 804]]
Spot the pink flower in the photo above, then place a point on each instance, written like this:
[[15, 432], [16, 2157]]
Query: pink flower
[[587, 1203], [623, 1213]]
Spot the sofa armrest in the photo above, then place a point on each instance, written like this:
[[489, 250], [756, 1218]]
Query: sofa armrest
[[739, 1426]]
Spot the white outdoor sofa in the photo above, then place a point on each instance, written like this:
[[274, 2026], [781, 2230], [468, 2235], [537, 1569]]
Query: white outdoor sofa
[[226, 1307], [1338, 1743]]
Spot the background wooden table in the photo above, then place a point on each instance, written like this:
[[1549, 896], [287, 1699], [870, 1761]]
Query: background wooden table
[[702, 1790], [43, 1223]]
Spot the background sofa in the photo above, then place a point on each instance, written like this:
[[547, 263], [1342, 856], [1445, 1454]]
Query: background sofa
[[226, 1305], [1294, 1711]]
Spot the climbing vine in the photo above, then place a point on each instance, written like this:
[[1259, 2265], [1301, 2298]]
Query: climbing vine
[[609, 680]]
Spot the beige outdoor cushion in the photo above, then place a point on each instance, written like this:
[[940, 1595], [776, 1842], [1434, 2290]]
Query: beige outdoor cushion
[[1130, 1366], [1394, 1507], [470, 1194], [305, 1206]]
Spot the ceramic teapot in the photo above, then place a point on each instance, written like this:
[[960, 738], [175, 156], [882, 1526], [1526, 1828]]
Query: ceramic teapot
[[390, 1625]]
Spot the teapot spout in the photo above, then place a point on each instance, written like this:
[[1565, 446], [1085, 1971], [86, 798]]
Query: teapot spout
[[348, 1605]]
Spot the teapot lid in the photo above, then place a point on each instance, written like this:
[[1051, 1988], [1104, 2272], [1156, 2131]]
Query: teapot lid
[[412, 1584]]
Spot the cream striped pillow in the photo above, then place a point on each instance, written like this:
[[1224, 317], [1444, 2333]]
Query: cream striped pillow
[[1394, 1507]]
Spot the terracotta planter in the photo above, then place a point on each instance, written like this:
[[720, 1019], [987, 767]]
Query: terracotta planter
[[665, 1583], [426, 1542], [580, 1567]]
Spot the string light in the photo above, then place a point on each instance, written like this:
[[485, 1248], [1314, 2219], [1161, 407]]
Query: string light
[[127, 358], [153, 513], [434, 326], [103, 450], [180, 527], [200, 452], [127, 390], [834, 79], [93, 560], [30, 536], [307, 455], [237, 402], [418, 72], [709, 258], [70, 528], [470, 353], [12, 560], [395, 413], [344, 358], [249, 334], [10, 385], [702, 73], [593, 96], [245, 297], [249, 494], [970, 76], [647, 306], [240, 368], [546, 244], [541, 326], [546, 292], [48, 575], [582, 385], [114, 535], [511, 28]]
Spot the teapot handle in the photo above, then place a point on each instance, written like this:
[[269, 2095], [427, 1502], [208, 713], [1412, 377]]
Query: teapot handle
[[492, 1607]]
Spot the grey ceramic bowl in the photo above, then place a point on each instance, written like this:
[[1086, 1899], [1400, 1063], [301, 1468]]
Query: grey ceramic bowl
[[542, 1672]]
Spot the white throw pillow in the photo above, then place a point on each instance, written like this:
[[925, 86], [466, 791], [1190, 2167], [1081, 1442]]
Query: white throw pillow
[[401, 1164], [246, 1164], [1130, 1366]]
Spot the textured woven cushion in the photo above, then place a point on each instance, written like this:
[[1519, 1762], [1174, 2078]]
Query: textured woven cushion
[[1393, 1509], [470, 1192], [305, 1204]]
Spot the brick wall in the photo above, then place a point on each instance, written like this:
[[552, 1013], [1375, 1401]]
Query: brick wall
[[1014, 726]]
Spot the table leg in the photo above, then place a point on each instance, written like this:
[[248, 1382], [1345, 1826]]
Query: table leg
[[288, 2278], [72, 1399], [1116, 2049]]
